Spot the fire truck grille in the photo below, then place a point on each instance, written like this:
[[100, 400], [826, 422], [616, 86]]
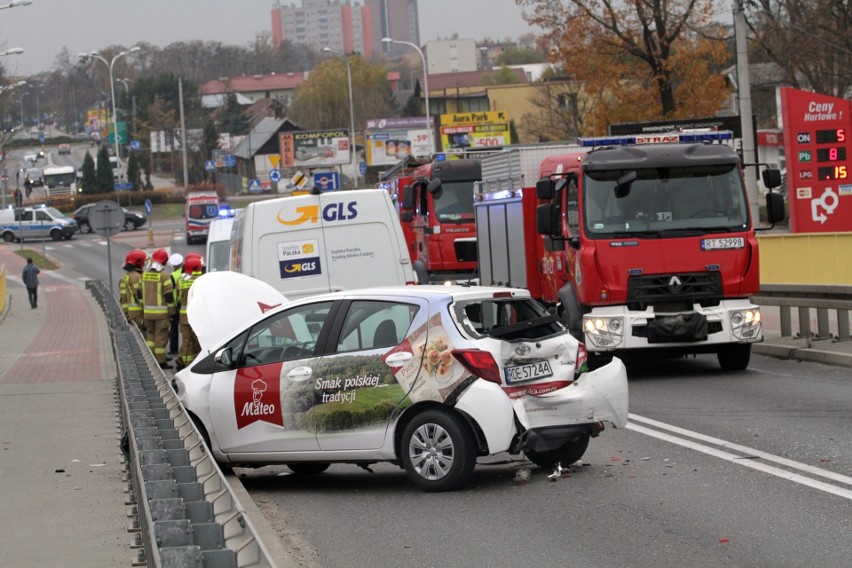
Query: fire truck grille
[[466, 251], [662, 289]]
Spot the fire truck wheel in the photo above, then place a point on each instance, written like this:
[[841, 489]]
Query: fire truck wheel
[[598, 360], [734, 357]]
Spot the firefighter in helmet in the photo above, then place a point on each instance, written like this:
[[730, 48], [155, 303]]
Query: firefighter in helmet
[[158, 303], [130, 289], [189, 347]]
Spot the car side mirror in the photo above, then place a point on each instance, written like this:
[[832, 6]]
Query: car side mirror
[[545, 188], [771, 178], [224, 358], [544, 222], [774, 207]]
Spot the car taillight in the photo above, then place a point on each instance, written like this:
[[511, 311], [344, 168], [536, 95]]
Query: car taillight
[[480, 363]]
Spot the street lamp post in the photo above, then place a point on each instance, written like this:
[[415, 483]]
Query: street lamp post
[[352, 152], [425, 85], [110, 64], [23, 122]]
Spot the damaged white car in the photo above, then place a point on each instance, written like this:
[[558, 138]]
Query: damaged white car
[[427, 377]]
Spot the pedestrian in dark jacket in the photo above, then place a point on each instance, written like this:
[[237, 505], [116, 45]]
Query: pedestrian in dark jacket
[[30, 278]]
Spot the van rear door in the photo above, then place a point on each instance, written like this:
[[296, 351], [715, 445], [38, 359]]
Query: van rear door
[[288, 247], [362, 248]]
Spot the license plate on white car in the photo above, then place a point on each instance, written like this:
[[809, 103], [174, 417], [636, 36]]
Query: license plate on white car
[[529, 372], [719, 244]]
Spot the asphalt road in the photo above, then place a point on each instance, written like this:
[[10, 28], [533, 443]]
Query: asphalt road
[[715, 469]]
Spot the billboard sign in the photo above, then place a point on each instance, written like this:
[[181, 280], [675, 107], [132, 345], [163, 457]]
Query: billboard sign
[[313, 149], [818, 145], [475, 130], [391, 139]]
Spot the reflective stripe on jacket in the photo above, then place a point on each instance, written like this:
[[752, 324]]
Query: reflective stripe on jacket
[[183, 296], [129, 291], [157, 295]]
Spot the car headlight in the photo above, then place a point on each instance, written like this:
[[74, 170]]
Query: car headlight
[[746, 324], [604, 331]]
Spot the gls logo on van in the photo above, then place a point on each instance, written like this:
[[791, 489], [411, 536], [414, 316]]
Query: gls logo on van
[[300, 267], [331, 212]]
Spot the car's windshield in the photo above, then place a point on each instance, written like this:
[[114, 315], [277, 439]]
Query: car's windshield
[[454, 202], [665, 201]]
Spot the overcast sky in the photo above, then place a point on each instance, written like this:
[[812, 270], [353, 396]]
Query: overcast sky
[[44, 27]]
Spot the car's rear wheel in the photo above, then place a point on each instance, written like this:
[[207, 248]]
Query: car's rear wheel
[[308, 468], [129, 225], [85, 227], [438, 450], [564, 455], [9, 237]]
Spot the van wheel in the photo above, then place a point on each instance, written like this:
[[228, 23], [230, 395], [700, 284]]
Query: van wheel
[[9, 237], [85, 228], [438, 450], [56, 235], [189, 240]]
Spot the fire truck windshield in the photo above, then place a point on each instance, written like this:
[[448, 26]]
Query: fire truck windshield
[[664, 202], [454, 202]]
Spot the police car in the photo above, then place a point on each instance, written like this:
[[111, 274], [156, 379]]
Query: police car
[[427, 377]]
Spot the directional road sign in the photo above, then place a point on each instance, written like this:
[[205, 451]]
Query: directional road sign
[[274, 176], [148, 207], [230, 161]]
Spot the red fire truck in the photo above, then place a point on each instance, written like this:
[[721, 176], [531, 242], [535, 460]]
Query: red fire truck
[[435, 204], [641, 246]]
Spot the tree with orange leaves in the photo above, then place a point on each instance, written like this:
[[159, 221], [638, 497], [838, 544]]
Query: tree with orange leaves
[[637, 61]]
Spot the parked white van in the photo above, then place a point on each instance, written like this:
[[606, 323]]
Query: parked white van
[[218, 254], [311, 244], [35, 223]]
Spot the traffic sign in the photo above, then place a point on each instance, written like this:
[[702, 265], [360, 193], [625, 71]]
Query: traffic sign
[[230, 161], [148, 207], [134, 144], [299, 180], [106, 218], [327, 181], [274, 176], [254, 185], [362, 167], [209, 166], [122, 186]]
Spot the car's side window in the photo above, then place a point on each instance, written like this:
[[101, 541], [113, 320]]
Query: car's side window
[[27, 216], [285, 336], [42, 216], [373, 324]]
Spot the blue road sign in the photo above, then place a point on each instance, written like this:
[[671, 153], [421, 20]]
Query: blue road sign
[[327, 181], [230, 161], [135, 144], [275, 176], [362, 167], [122, 186], [209, 166], [254, 185], [147, 206]]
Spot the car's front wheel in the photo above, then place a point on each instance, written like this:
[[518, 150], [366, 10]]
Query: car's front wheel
[[564, 455], [438, 450], [85, 227], [129, 225]]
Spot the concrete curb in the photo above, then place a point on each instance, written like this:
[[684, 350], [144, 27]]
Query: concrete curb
[[827, 357]]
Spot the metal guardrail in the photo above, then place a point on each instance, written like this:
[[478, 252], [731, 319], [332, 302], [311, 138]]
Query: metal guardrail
[[804, 298], [183, 512]]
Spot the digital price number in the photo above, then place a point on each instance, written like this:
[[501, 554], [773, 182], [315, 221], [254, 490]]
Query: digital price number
[[832, 172], [831, 136], [832, 154]]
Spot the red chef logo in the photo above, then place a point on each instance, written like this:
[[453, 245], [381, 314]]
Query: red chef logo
[[257, 398]]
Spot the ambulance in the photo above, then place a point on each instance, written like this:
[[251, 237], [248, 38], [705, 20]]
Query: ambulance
[[323, 242]]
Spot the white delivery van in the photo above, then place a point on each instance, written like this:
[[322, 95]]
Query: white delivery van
[[35, 223], [311, 244], [218, 253]]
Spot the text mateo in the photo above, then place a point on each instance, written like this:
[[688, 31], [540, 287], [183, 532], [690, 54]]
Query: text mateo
[[258, 409]]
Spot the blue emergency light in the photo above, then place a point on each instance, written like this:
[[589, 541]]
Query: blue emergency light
[[663, 138]]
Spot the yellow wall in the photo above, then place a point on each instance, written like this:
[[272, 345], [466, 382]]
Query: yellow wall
[[808, 258]]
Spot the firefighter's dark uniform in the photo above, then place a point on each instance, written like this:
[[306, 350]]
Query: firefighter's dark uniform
[[158, 303]]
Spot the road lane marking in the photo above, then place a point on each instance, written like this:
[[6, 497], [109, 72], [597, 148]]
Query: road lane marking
[[739, 459]]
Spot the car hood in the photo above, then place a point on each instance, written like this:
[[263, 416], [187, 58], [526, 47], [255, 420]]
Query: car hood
[[223, 302]]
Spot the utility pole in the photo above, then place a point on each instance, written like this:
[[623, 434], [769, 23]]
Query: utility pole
[[183, 135], [744, 100]]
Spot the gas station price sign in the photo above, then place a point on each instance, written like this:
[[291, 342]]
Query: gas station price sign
[[818, 142]]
